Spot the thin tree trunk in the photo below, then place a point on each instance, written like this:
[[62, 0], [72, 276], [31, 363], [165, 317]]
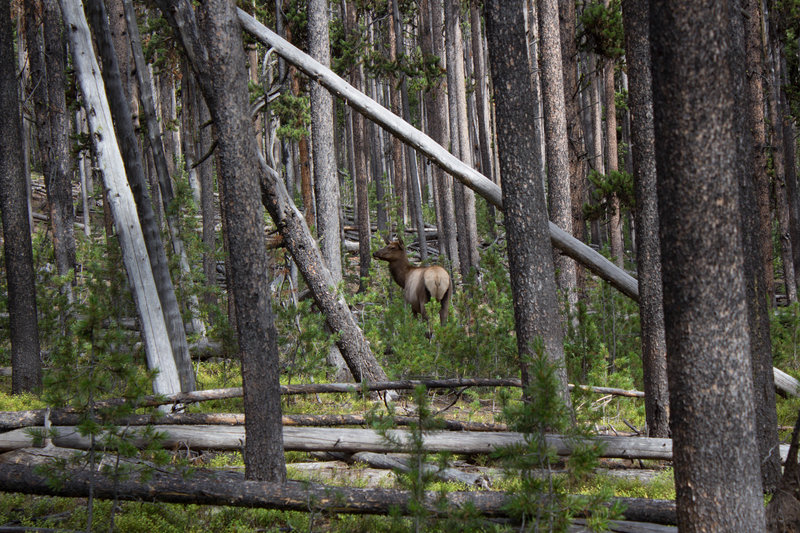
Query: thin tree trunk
[[612, 162], [18, 252], [132, 159], [326, 182], [398, 163], [648, 252], [154, 138], [554, 107], [459, 135]]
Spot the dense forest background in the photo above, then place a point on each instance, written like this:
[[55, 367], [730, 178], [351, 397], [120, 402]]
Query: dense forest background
[[192, 197]]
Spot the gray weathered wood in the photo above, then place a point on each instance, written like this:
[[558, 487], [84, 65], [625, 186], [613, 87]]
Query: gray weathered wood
[[120, 200], [430, 148]]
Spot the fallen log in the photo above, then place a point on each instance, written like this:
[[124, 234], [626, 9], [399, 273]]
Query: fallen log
[[393, 462], [350, 440], [20, 419], [207, 487]]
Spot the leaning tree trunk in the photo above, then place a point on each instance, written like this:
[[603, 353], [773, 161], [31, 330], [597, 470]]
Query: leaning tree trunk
[[120, 201], [698, 71], [529, 252], [23, 327], [154, 139], [132, 159]]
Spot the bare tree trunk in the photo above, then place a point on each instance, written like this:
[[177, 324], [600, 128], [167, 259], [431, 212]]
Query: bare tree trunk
[[218, 60], [120, 202], [612, 162], [648, 252], [326, 182], [132, 159], [25, 359], [459, 135], [436, 107], [530, 256], [698, 68], [558, 191]]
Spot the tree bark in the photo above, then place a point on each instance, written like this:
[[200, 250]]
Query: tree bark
[[132, 159], [648, 252], [757, 241], [555, 120], [218, 60], [464, 200], [120, 201], [612, 160], [698, 71], [25, 360], [530, 256], [59, 182]]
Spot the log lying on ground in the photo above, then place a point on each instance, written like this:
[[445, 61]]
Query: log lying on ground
[[20, 419], [351, 440], [206, 487]]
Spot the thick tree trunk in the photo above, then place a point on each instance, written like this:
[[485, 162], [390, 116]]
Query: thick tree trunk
[[218, 60], [530, 256], [120, 201], [25, 360], [698, 69], [134, 170]]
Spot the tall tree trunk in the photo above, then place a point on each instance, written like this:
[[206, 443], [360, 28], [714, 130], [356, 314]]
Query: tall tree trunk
[[398, 164], [482, 101], [554, 107], [415, 190], [648, 252], [53, 148], [439, 128], [26, 364], [360, 163], [698, 71], [529, 252], [612, 163], [134, 170], [459, 136], [575, 138], [122, 44], [757, 239], [218, 60], [326, 182], [119, 200], [59, 183]]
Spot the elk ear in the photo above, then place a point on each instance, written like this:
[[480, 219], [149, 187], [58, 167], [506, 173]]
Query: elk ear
[[401, 243], [386, 238]]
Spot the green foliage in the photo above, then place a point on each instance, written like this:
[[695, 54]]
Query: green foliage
[[294, 113], [541, 498], [606, 186], [475, 340], [788, 21], [602, 31]]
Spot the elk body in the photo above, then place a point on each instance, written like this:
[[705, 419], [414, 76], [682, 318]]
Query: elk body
[[419, 283]]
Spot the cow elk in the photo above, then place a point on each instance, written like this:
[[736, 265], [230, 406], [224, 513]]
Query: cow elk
[[419, 283]]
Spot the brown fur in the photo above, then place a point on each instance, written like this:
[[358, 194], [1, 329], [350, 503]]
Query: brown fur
[[419, 284]]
